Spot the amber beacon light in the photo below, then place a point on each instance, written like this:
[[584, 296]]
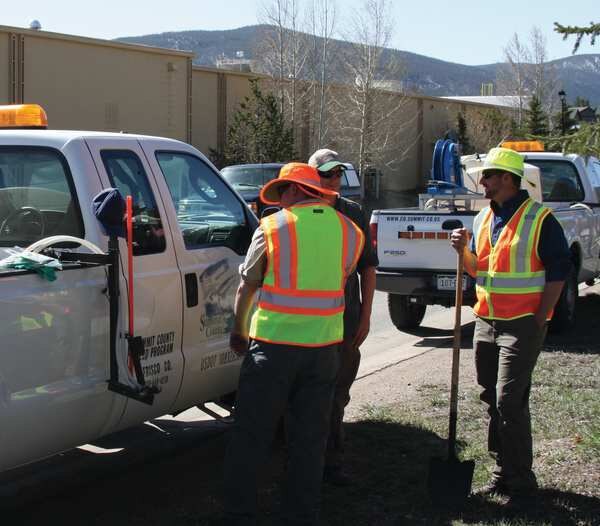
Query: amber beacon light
[[23, 116]]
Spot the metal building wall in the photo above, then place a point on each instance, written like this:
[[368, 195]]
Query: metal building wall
[[93, 84], [102, 85], [5, 74], [205, 109]]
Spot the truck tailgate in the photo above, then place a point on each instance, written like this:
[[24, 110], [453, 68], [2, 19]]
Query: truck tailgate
[[416, 239]]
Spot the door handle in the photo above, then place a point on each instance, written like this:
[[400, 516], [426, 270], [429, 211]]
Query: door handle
[[191, 289]]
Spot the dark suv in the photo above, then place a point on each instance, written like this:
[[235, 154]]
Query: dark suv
[[248, 179]]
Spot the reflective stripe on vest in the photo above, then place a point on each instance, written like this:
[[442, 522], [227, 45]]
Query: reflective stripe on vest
[[311, 249], [510, 276]]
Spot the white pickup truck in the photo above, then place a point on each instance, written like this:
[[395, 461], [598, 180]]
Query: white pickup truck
[[64, 379], [417, 266]]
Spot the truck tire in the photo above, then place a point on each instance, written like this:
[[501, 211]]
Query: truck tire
[[405, 315], [564, 312]]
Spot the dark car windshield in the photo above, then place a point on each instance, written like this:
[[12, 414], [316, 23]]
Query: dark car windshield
[[249, 176]]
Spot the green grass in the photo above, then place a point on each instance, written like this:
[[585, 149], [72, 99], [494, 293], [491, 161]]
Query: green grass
[[390, 446]]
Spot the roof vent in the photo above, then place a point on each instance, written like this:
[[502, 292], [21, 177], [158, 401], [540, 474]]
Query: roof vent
[[35, 25]]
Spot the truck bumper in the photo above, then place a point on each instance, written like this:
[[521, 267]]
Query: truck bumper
[[423, 286]]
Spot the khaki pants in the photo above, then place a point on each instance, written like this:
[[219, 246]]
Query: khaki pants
[[506, 352]]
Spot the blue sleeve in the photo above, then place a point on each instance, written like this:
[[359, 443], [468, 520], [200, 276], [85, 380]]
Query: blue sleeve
[[554, 250]]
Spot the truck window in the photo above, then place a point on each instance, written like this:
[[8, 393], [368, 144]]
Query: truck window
[[126, 173], [208, 213], [37, 196], [560, 180]]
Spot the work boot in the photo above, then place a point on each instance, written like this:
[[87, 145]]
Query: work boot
[[336, 476], [496, 487]]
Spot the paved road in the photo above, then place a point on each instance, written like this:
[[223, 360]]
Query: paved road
[[386, 345]]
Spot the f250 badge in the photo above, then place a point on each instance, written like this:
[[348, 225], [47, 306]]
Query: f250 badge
[[394, 252]]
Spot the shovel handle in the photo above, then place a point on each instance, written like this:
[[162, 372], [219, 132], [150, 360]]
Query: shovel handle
[[455, 358]]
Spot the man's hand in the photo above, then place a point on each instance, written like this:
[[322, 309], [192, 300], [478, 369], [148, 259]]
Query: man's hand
[[238, 343], [362, 332], [458, 239]]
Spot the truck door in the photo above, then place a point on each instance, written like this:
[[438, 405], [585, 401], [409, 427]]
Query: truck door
[[53, 355], [212, 228], [563, 190], [157, 282]]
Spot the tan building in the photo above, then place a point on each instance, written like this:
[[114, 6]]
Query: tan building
[[93, 84]]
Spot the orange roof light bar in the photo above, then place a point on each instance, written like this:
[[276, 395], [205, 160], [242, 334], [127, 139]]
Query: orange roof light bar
[[23, 116], [523, 146]]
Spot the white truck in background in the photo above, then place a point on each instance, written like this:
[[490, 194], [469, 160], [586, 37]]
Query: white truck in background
[[417, 266], [65, 378]]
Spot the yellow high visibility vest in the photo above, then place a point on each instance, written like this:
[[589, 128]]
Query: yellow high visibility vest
[[311, 250]]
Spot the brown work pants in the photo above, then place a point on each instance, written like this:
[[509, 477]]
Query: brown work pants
[[506, 352], [349, 363]]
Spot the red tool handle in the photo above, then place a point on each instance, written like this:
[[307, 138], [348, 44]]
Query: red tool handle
[[129, 214]]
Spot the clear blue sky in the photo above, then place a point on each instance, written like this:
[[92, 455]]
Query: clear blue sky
[[467, 32]]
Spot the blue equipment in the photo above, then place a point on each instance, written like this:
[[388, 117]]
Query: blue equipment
[[446, 171]]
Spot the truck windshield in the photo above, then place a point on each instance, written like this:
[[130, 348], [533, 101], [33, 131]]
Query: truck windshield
[[37, 197]]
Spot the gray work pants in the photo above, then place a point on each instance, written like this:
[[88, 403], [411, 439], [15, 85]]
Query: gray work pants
[[273, 378], [506, 352]]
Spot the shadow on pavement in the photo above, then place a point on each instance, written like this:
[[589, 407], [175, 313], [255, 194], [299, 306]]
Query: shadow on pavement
[[445, 339]]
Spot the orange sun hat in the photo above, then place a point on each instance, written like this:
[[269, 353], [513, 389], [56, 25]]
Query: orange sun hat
[[300, 173]]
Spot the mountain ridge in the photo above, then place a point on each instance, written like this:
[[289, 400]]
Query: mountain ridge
[[578, 75]]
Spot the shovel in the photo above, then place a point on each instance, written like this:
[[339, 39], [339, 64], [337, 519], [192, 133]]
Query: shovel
[[449, 481], [136, 343]]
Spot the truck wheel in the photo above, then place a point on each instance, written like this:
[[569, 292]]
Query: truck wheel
[[405, 315], [564, 312]]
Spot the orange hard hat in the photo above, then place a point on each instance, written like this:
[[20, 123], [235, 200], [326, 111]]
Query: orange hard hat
[[300, 173]]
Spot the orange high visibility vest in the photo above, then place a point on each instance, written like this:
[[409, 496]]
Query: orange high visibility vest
[[510, 276], [311, 250]]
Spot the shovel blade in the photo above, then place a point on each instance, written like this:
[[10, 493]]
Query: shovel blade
[[449, 481]]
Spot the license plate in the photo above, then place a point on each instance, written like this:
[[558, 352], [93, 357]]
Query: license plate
[[449, 282]]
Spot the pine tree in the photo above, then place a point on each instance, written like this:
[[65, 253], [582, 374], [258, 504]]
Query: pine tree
[[536, 118], [257, 133], [592, 31], [463, 138], [581, 101], [586, 140]]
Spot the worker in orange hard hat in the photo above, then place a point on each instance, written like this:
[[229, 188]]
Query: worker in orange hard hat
[[298, 262]]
